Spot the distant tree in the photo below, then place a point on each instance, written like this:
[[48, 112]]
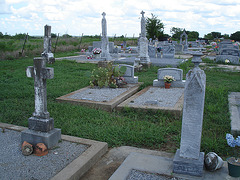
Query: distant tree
[[176, 32], [216, 34], [192, 35], [154, 27], [20, 36], [208, 36], [66, 36], [226, 36], [53, 35], [1, 35], [235, 36]]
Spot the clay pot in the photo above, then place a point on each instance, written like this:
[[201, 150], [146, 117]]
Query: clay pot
[[167, 85], [27, 149], [40, 150]]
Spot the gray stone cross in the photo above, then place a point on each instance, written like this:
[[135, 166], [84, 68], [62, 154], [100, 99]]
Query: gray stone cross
[[142, 13], [103, 14], [40, 73]]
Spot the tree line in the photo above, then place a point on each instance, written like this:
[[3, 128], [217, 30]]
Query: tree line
[[155, 29]]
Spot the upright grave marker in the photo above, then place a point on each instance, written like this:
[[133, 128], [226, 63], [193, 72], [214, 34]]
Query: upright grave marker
[[189, 160], [105, 46], [143, 42], [40, 125]]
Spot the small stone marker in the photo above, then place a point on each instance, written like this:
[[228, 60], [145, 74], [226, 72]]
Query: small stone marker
[[189, 160], [175, 72], [143, 42], [40, 125], [185, 47], [105, 46], [129, 74]]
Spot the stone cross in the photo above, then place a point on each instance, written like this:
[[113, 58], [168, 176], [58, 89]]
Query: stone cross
[[47, 44], [104, 41], [40, 73], [143, 43], [189, 160], [40, 125]]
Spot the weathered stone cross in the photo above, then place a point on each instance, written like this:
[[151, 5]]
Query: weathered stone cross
[[40, 125]]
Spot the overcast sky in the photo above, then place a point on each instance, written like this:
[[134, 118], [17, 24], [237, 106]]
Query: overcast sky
[[75, 17]]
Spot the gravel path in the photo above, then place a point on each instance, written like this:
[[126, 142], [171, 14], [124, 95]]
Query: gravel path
[[14, 165], [159, 97]]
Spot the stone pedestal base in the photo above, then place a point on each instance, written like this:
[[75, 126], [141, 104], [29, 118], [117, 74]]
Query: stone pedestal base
[[193, 167], [50, 139], [39, 124]]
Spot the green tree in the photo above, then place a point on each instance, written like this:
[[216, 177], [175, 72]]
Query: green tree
[[154, 27], [226, 36], [192, 35], [235, 36], [1, 35], [208, 36], [176, 32]]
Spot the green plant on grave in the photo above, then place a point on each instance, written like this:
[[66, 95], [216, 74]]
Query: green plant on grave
[[110, 76]]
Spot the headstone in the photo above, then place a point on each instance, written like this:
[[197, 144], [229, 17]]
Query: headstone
[[47, 45], [151, 51], [188, 159], [175, 72], [143, 42], [105, 46], [168, 51], [41, 125], [129, 74], [97, 44], [178, 48], [185, 43], [111, 47]]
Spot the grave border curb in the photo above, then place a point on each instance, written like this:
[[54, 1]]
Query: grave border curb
[[81, 164]]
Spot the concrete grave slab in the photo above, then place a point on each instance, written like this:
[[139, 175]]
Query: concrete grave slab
[[161, 167], [155, 98], [234, 109], [78, 162], [100, 98]]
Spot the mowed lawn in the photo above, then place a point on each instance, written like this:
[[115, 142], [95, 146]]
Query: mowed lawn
[[152, 130]]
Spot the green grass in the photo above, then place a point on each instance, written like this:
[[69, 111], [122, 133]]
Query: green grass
[[152, 130]]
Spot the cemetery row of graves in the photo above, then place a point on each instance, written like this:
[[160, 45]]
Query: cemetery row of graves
[[153, 130]]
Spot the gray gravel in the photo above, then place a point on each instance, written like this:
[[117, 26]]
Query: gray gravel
[[160, 97], [140, 175], [100, 94], [14, 165]]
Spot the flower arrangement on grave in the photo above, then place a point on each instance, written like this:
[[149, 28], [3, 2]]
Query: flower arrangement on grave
[[96, 51], [89, 57], [111, 76], [227, 61], [83, 50], [168, 79], [234, 162]]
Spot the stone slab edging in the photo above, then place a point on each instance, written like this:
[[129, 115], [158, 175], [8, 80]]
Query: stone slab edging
[[107, 106], [234, 111], [176, 110], [80, 165]]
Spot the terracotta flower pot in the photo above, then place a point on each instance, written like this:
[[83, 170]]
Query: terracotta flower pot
[[167, 85], [233, 167]]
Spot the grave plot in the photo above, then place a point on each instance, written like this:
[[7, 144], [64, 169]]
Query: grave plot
[[100, 98], [155, 98]]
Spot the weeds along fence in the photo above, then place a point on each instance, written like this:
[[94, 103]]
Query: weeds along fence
[[11, 48]]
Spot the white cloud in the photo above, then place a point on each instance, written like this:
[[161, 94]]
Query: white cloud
[[123, 17]]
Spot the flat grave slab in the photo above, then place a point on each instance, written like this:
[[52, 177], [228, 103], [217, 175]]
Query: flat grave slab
[[100, 98], [152, 167], [234, 109], [70, 159], [156, 98]]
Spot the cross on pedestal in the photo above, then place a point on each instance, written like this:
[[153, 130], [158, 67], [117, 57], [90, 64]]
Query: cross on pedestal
[[41, 126]]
